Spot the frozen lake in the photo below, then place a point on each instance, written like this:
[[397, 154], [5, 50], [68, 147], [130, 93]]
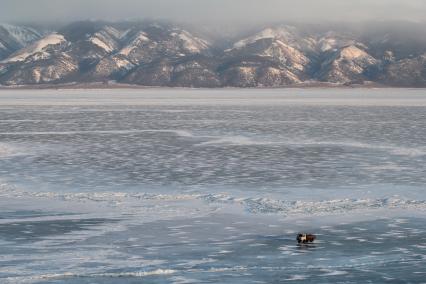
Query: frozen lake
[[212, 186]]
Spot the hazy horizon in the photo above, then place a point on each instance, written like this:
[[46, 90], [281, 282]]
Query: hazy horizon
[[236, 13]]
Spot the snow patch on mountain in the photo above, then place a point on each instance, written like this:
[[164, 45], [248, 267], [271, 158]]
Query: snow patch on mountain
[[107, 39], [191, 43], [188, 65], [119, 34], [112, 65], [39, 72], [287, 55], [273, 33], [137, 40], [123, 63], [38, 46], [23, 35], [98, 42], [277, 77], [332, 41], [353, 52]]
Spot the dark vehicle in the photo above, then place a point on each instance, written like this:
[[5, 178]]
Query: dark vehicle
[[305, 238]]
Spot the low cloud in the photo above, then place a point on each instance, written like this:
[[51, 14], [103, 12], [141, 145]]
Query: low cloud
[[213, 11]]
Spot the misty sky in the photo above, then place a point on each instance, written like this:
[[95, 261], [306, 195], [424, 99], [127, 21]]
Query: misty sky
[[212, 11]]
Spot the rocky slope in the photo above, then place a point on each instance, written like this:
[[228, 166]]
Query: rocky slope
[[153, 54]]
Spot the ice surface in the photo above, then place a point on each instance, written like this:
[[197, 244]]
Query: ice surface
[[189, 186]]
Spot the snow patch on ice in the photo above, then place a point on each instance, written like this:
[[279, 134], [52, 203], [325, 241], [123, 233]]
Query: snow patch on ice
[[181, 133], [235, 140], [137, 273], [334, 273], [296, 278], [317, 208], [48, 277], [7, 150], [4, 150]]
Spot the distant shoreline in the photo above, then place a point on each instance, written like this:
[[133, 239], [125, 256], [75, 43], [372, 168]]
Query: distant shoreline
[[100, 86]]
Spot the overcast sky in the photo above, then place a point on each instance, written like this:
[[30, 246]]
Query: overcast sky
[[241, 11]]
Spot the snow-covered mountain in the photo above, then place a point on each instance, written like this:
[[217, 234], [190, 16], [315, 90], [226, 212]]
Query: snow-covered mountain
[[141, 45], [348, 64], [272, 57], [160, 54]]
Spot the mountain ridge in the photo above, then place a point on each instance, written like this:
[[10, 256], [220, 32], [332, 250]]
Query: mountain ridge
[[170, 55]]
